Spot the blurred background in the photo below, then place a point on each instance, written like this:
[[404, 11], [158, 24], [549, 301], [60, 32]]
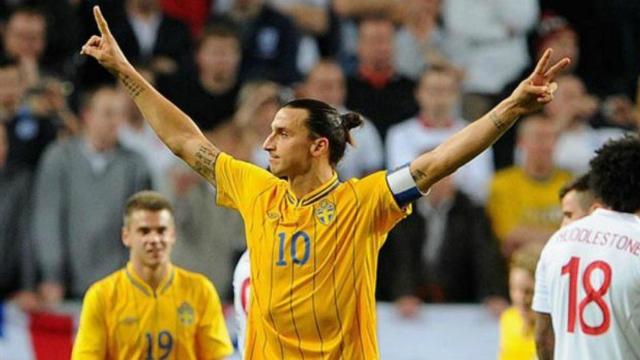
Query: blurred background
[[73, 146]]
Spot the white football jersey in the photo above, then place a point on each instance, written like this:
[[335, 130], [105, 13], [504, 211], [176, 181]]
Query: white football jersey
[[588, 280], [241, 296]]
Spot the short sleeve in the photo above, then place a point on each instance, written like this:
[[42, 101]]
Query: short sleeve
[[91, 341], [213, 340], [239, 182], [378, 201], [541, 293]]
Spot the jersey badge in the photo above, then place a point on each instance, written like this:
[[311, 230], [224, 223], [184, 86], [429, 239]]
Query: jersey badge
[[186, 314], [326, 212]]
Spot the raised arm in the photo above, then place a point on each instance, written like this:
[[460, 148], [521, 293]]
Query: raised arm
[[530, 96], [173, 126]]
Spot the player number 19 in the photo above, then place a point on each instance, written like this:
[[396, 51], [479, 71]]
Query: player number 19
[[572, 268]]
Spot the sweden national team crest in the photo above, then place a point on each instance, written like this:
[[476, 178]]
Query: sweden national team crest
[[186, 314], [325, 212]]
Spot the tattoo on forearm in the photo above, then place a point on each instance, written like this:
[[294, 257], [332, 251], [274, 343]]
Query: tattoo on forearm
[[418, 176], [499, 124], [132, 87], [205, 161]]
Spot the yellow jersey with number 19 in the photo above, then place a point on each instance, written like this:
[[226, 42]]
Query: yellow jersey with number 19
[[313, 261], [123, 318]]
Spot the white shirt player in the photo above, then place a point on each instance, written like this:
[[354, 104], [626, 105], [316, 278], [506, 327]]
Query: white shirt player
[[241, 296], [588, 280]]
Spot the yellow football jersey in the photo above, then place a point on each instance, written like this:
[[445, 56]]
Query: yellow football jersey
[[313, 261], [516, 343], [516, 199], [123, 318]]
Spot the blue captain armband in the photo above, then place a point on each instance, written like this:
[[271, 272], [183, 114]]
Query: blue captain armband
[[403, 187]]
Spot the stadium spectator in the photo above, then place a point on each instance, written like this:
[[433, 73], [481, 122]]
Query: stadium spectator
[[208, 93], [32, 120], [80, 189], [24, 39], [571, 114], [488, 41], [151, 308], [587, 285], [192, 12], [326, 83], [270, 41], [17, 262], [552, 32], [438, 96], [445, 252], [420, 41], [608, 64], [149, 37], [522, 203], [517, 322], [210, 237], [376, 89]]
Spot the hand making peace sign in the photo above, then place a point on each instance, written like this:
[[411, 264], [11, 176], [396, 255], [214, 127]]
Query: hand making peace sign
[[537, 90]]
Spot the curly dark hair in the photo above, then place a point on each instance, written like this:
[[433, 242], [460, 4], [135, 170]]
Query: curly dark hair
[[615, 174]]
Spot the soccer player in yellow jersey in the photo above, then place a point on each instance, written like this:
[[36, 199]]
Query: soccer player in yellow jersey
[[151, 309], [313, 240]]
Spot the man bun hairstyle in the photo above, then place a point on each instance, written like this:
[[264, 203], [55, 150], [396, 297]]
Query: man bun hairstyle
[[323, 120], [615, 174], [350, 121]]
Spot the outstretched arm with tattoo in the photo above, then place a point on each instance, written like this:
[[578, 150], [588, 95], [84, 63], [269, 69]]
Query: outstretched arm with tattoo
[[530, 96], [173, 127]]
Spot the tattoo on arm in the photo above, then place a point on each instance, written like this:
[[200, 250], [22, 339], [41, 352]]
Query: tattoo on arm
[[418, 175], [205, 161], [132, 87], [499, 124]]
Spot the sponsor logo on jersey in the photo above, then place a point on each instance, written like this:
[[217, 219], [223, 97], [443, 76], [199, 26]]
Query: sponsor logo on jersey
[[273, 215], [129, 320]]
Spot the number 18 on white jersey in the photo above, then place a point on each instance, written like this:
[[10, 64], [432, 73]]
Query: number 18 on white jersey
[[588, 280]]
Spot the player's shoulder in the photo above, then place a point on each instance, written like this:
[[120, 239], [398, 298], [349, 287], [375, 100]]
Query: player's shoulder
[[108, 284], [193, 281], [189, 276]]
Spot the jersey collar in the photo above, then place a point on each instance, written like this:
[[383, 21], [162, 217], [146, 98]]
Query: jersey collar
[[144, 287], [316, 194]]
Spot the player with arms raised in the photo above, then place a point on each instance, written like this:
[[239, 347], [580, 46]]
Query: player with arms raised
[[587, 294], [313, 240]]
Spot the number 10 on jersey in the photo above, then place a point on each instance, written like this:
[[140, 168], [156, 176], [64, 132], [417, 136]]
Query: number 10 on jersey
[[300, 238], [572, 269]]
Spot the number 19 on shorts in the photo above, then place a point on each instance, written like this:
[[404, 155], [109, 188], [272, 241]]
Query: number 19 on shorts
[[594, 295]]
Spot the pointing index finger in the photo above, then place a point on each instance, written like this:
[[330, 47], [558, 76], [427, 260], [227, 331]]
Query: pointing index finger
[[100, 21]]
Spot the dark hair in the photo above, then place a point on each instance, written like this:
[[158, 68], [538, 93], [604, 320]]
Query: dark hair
[[325, 121], [220, 26], [28, 10], [579, 184], [584, 195], [7, 62], [615, 174], [146, 200], [86, 97]]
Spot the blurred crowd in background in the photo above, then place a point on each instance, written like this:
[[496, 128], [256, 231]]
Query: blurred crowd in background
[[73, 146]]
